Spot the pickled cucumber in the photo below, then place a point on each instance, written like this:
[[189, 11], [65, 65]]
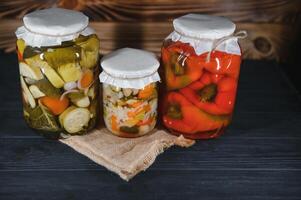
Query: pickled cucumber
[[89, 52], [31, 71], [74, 119], [30, 81], [61, 56], [49, 72], [92, 92], [26, 94], [36, 92], [79, 99], [70, 72]]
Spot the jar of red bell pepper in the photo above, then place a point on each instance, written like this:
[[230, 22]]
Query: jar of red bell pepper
[[201, 61]]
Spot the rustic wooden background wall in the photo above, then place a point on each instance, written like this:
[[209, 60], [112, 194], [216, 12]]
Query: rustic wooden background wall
[[273, 25]]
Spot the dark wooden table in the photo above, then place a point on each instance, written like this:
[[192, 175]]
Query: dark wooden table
[[259, 156]]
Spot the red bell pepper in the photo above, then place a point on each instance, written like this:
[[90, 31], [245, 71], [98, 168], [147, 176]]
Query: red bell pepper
[[222, 63], [214, 94], [181, 65], [183, 116]]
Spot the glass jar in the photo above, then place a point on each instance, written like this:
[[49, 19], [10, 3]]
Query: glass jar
[[201, 60], [130, 95], [58, 72]]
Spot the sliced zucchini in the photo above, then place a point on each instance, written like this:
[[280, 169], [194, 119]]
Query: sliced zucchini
[[50, 73], [79, 99], [36, 92], [26, 93], [91, 92], [30, 81], [32, 72], [70, 72], [82, 102], [74, 119], [52, 76]]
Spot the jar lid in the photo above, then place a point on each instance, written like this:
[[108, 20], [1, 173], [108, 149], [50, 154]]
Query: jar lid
[[52, 26], [204, 26], [55, 21], [129, 68]]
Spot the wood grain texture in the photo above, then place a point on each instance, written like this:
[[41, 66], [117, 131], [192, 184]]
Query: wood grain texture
[[228, 153], [175, 185], [272, 24], [277, 11], [265, 41], [147, 10]]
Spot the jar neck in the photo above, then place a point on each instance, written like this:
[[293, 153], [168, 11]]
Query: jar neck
[[124, 77], [239, 35], [212, 43]]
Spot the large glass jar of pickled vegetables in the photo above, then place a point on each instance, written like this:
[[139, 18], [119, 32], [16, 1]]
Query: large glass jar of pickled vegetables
[[58, 63], [201, 61], [130, 95]]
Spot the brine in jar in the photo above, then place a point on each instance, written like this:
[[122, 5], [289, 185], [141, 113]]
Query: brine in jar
[[130, 95], [201, 61], [130, 112], [59, 91]]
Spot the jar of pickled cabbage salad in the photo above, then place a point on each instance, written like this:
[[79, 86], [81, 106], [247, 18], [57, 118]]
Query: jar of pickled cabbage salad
[[58, 58], [201, 60], [130, 95]]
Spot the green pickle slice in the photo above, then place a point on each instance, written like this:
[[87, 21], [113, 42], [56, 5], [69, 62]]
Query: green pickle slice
[[89, 51]]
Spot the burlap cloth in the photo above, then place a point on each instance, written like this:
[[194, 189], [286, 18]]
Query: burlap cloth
[[126, 157]]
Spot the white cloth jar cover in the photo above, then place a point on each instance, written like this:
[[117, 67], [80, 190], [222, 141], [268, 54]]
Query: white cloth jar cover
[[51, 27], [207, 33], [129, 68]]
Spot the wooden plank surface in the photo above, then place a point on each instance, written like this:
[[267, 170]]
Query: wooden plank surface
[[264, 11], [176, 185], [259, 157], [265, 41], [272, 25], [209, 185]]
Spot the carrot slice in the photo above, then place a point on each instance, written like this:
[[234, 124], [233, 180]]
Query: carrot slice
[[136, 104], [55, 104], [135, 112], [146, 92], [114, 123], [86, 79]]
